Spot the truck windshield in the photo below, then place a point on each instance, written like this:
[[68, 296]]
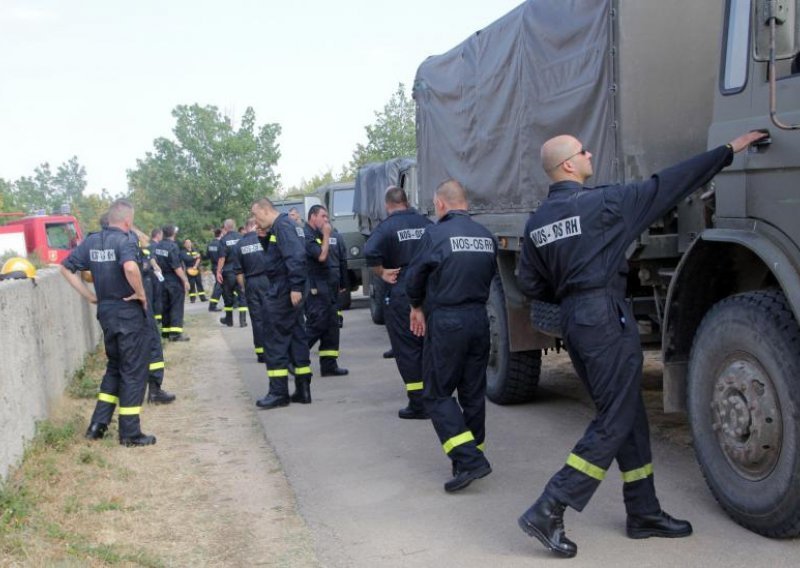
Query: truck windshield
[[62, 236], [343, 202]]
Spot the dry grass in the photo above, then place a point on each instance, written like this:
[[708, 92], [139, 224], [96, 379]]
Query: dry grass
[[73, 502]]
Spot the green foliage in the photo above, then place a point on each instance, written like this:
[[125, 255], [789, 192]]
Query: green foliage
[[309, 186], [392, 135], [15, 506], [209, 172]]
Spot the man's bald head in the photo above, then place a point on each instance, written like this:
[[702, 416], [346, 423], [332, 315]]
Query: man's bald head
[[564, 158], [449, 195], [229, 225]]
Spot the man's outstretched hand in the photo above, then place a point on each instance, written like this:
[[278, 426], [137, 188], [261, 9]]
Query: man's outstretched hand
[[743, 141]]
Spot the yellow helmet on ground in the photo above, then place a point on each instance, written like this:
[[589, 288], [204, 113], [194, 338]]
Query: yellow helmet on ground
[[17, 267], [192, 271]]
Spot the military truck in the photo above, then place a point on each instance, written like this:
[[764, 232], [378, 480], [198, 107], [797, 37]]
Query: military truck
[[371, 183], [644, 84], [338, 200]]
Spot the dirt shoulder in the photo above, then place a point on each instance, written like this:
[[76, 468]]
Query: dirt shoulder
[[210, 493]]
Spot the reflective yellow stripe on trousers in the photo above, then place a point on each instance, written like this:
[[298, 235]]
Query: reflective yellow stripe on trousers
[[414, 387], [109, 398], [329, 353], [302, 371], [278, 372], [456, 441], [637, 474], [130, 410], [156, 366], [577, 462]]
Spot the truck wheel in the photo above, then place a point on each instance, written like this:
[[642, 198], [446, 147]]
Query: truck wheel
[[511, 378], [376, 301], [345, 300], [744, 399]]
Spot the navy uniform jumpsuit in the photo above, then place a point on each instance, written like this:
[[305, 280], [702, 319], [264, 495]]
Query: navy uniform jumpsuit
[[124, 324], [212, 252], [250, 261], [234, 298], [393, 244], [322, 323], [173, 294], [285, 339], [451, 275], [574, 253]]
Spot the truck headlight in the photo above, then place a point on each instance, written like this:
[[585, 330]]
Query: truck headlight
[[355, 251]]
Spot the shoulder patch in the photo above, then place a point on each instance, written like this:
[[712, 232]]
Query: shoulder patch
[[410, 234], [300, 232], [563, 229], [471, 244], [331, 240]]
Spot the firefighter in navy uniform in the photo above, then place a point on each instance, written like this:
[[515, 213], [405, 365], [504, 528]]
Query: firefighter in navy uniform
[[112, 257], [175, 285], [285, 338], [212, 253], [337, 253], [321, 322], [250, 266], [448, 285], [226, 276], [574, 254], [158, 284], [389, 250], [191, 262], [155, 378]]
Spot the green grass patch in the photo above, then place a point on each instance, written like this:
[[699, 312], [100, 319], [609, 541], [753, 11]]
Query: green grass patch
[[111, 554], [85, 383], [15, 506]]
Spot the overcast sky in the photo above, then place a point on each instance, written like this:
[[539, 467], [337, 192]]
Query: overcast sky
[[98, 78]]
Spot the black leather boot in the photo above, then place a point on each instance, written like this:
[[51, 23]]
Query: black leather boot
[[156, 395], [545, 521], [388, 354], [414, 411], [464, 477], [272, 401], [302, 390], [242, 319], [227, 319], [138, 440], [95, 431], [180, 337], [657, 524]]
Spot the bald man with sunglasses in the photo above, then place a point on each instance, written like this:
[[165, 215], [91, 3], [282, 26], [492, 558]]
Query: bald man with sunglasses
[[573, 254]]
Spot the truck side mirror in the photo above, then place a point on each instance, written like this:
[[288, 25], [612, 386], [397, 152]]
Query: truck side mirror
[[785, 15]]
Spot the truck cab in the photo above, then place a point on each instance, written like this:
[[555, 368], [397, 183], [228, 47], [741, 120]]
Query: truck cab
[[51, 237]]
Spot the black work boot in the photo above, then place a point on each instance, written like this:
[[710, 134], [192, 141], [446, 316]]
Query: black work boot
[[657, 524], [414, 411], [212, 307], [179, 337], [156, 395], [227, 319], [302, 390], [545, 521], [272, 401], [463, 477], [261, 358], [333, 371], [138, 440], [388, 354], [242, 319], [95, 431]]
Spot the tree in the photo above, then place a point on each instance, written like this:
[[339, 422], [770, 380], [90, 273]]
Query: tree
[[209, 172], [309, 186], [392, 135]]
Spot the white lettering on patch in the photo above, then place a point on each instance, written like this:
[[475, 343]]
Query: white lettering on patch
[[410, 234], [331, 240], [471, 244], [300, 232], [106, 255], [564, 229], [162, 252], [248, 249]]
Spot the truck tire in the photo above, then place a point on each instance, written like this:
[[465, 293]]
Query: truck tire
[[511, 378], [743, 400], [376, 300]]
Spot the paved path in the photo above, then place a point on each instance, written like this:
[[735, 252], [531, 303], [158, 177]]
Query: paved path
[[370, 485]]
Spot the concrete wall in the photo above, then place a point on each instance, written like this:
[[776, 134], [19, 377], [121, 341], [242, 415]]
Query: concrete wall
[[46, 330]]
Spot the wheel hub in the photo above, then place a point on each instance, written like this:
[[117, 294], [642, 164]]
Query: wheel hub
[[746, 417]]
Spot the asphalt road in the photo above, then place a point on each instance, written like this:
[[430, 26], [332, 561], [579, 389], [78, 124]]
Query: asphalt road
[[370, 485]]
